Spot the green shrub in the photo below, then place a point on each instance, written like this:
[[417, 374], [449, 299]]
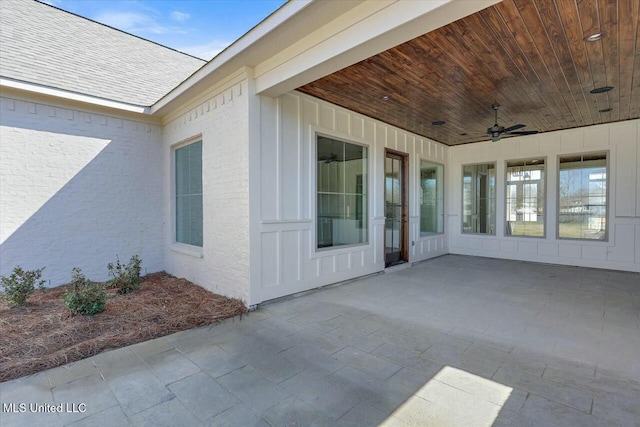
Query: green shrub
[[20, 285], [125, 277], [85, 296]]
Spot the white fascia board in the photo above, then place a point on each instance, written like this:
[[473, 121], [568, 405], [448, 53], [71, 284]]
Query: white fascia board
[[367, 30], [236, 48], [72, 96]]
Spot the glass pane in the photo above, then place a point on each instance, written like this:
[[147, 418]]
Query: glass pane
[[467, 200], [182, 171], [583, 197], [330, 165], [189, 194], [195, 168], [432, 198], [525, 198], [354, 168], [479, 198], [330, 210], [341, 196], [396, 176], [353, 226], [182, 219], [392, 237], [195, 220]]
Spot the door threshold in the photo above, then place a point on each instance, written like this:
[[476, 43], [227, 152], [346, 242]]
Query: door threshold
[[397, 267]]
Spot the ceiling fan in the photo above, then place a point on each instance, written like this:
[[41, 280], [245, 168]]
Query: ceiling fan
[[329, 158], [496, 131]]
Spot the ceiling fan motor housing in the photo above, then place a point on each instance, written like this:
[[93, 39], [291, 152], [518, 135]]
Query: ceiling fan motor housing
[[495, 129]]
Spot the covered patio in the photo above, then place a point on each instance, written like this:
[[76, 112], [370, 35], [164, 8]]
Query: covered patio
[[455, 340]]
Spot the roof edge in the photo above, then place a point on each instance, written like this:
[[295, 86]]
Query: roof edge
[[72, 96], [277, 18]]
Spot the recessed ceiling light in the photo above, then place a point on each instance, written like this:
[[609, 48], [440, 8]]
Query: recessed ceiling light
[[464, 134], [385, 97], [438, 123], [606, 110], [602, 89], [594, 37]]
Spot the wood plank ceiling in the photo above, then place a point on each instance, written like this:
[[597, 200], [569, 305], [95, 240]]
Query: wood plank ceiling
[[529, 56]]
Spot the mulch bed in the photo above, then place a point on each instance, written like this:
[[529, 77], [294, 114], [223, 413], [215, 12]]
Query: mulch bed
[[45, 334]]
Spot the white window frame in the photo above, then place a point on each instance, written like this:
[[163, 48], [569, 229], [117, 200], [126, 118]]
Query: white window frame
[[444, 197], [179, 247], [546, 199], [495, 202], [607, 216], [314, 134]]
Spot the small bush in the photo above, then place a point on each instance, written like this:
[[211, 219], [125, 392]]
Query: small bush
[[125, 278], [85, 296], [20, 285]]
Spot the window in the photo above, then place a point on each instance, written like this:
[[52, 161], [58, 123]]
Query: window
[[582, 212], [188, 169], [342, 193], [479, 198], [525, 198], [431, 198]]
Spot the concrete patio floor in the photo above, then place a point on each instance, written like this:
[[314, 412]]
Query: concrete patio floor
[[452, 341]]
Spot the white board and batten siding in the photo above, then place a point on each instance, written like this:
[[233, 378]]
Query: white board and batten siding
[[221, 123], [622, 250], [289, 261]]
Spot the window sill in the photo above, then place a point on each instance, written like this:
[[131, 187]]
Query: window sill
[[581, 241], [183, 249], [430, 235], [337, 250], [517, 236]]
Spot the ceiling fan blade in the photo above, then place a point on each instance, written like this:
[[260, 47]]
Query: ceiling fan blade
[[515, 127], [524, 132]]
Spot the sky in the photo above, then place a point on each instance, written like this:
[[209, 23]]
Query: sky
[[202, 28]]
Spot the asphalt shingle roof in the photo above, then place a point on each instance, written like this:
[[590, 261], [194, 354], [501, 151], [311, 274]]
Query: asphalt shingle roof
[[44, 45]]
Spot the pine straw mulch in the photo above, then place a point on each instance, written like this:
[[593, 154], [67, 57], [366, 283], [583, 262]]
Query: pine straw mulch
[[45, 334]]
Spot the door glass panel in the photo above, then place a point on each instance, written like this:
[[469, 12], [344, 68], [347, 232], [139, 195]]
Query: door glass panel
[[393, 210]]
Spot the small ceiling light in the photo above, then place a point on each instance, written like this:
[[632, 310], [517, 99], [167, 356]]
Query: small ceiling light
[[464, 134], [594, 37], [602, 89], [438, 123], [606, 110], [385, 97]]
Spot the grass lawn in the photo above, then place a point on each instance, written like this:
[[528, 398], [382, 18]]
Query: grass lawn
[[44, 334], [568, 230]]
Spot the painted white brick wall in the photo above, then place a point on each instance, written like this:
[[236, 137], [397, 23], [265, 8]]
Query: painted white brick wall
[[223, 123], [76, 189]]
